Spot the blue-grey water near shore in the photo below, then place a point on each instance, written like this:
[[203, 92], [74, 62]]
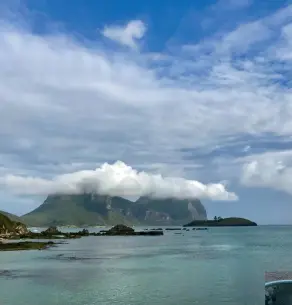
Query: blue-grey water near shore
[[218, 266]]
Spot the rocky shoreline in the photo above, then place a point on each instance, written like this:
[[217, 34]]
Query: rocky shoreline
[[52, 233], [25, 245]]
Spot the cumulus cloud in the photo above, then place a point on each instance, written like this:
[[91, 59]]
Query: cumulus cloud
[[117, 179], [270, 170], [128, 34]]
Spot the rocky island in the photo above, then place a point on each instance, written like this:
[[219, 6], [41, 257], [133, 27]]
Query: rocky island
[[222, 222]]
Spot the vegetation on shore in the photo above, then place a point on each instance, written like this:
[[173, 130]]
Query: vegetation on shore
[[26, 245]]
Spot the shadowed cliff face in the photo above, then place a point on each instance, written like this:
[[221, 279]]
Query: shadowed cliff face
[[92, 209]]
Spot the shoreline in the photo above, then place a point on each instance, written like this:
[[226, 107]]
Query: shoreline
[[25, 245], [24, 241]]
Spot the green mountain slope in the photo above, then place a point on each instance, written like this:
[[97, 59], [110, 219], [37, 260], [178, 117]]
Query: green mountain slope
[[89, 209], [11, 216], [73, 210]]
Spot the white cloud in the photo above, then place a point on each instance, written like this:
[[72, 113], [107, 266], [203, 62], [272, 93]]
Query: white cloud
[[246, 148], [271, 170], [127, 35], [117, 179]]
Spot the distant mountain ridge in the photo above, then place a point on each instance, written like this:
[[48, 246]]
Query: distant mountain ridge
[[92, 209]]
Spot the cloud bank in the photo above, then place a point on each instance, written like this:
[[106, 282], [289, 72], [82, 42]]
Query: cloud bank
[[117, 179]]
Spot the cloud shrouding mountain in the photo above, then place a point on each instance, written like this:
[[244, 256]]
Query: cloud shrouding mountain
[[117, 179]]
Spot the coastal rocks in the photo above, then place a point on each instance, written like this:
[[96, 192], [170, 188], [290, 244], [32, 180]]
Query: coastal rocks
[[122, 230], [9, 228], [118, 230], [20, 228], [84, 232], [52, 231], [27, 245]]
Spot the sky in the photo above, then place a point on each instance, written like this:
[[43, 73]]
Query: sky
[[188, 97]]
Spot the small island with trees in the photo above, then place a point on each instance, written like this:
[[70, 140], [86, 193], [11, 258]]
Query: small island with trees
[[222, 222]]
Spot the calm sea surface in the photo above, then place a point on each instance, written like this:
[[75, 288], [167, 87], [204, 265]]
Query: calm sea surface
[[218, 266]]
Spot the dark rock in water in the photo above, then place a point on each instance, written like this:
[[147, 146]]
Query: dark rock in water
[[173, 229], [52, 231], [84, 232], [5, 273], [150, 233], [121, 229]]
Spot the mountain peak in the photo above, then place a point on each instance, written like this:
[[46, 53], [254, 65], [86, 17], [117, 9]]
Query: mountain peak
[[95, 209]]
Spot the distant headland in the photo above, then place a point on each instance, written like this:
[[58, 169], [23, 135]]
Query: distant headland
[[222, 222]]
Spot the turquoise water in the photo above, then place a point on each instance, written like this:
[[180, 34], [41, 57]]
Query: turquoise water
[[218, 266]]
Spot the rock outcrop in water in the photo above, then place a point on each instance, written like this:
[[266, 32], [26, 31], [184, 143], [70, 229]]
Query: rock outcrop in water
[[52, 231], [122, 230]]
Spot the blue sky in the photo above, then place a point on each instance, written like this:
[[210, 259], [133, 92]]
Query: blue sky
[[194, 89]]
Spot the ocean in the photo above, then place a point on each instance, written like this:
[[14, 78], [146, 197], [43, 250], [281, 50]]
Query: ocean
[[218, 266]]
